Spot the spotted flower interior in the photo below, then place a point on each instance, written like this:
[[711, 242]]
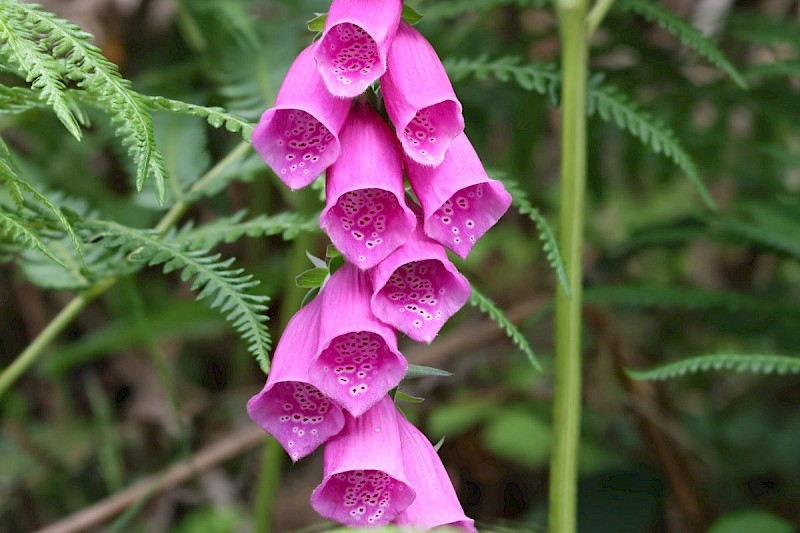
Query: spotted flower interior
[[419, 297], [426, 137], [366, 225], [365, 497], [349, 60]]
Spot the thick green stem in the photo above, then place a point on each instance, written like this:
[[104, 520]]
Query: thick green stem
[[567, 404], [10, 374]]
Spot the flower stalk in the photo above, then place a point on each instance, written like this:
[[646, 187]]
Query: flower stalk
[[567, 403]]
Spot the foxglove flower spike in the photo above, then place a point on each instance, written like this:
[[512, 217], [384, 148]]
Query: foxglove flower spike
[[357, 362], [419, 98], [355, 42], [298, 137], [436, 504], [289, 407], [417, 288], [459, 200], [366, 215], [364, 483]]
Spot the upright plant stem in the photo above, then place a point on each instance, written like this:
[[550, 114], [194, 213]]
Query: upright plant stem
[[567, 403]]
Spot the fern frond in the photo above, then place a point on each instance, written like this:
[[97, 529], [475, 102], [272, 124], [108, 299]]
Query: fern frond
[[688, 35], [20, 232], [231, 229], [224, 288], [448, 9], [85, 65], [19, 99], [758, 363], [546, 234], [482, 302], [613, 106], [41, 69], [776, 69], [217, 117], [771, 224]]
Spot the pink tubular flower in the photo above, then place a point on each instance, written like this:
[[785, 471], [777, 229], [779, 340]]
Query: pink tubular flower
[[419, 98], [416, 289], [357, 362], [298, 138], [366, 215], [289, 408], [459, 200], [357, 37], [436, 504], [364, 483]]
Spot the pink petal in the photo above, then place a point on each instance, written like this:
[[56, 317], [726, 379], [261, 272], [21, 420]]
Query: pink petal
[[366, 215], [298, 138], [357, 362], [289, 407], [436, 504], [355, 42], [364, 483], [419, 98], [460, 201], [416, 289]]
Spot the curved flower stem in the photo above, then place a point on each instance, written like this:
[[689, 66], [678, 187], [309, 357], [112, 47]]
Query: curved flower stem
[[597, 14], [567, 403], [10, 374]]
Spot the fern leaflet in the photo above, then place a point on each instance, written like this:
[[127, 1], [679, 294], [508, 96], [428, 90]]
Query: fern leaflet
[[212, 278], [477, 299], [91, 71], [758, 363], [19, 231], [688, 35], [546, 234], [216, 116], [19, 100], [445, 9], [232, 228]]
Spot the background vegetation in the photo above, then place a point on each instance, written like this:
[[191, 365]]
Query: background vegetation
[[142, 392]]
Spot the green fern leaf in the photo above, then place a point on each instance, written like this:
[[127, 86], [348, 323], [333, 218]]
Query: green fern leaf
[[488, 306], [19, 99], [91, 71], [757, 363], [688, 34], [443, 9], [231, 229], [777, 69], [41, 69], [19, 231], [223, 287], [546, 234], [770, 224], [216, 116]]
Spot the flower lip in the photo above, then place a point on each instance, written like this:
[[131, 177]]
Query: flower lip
[[298, 137], [357, 362], [364, 482], [416, 289], [289, 407], [354, 44], [459, 200], [366, 215]]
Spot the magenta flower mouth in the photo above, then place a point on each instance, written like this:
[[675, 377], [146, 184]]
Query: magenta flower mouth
[[364, 497], [349, 60], [466, 216], [298, 415], [419, 297], [367, 224], [297, 146], [426, 137], [356, 369]]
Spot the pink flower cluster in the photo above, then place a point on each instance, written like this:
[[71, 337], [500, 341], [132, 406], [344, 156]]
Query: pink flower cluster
[[338, 358]]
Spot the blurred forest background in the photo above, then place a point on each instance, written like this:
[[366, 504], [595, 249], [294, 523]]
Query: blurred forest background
[[149, 386]]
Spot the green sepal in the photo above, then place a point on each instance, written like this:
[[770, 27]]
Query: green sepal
[[419, 371], [312, 278]]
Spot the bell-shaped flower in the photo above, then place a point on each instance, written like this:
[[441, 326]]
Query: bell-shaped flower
[[298, 138], [364, 483], [289, 407], [436, 504], [355, 42], [365, 214], [419, 98], [417, 288], [357, 362], [459, 200]]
